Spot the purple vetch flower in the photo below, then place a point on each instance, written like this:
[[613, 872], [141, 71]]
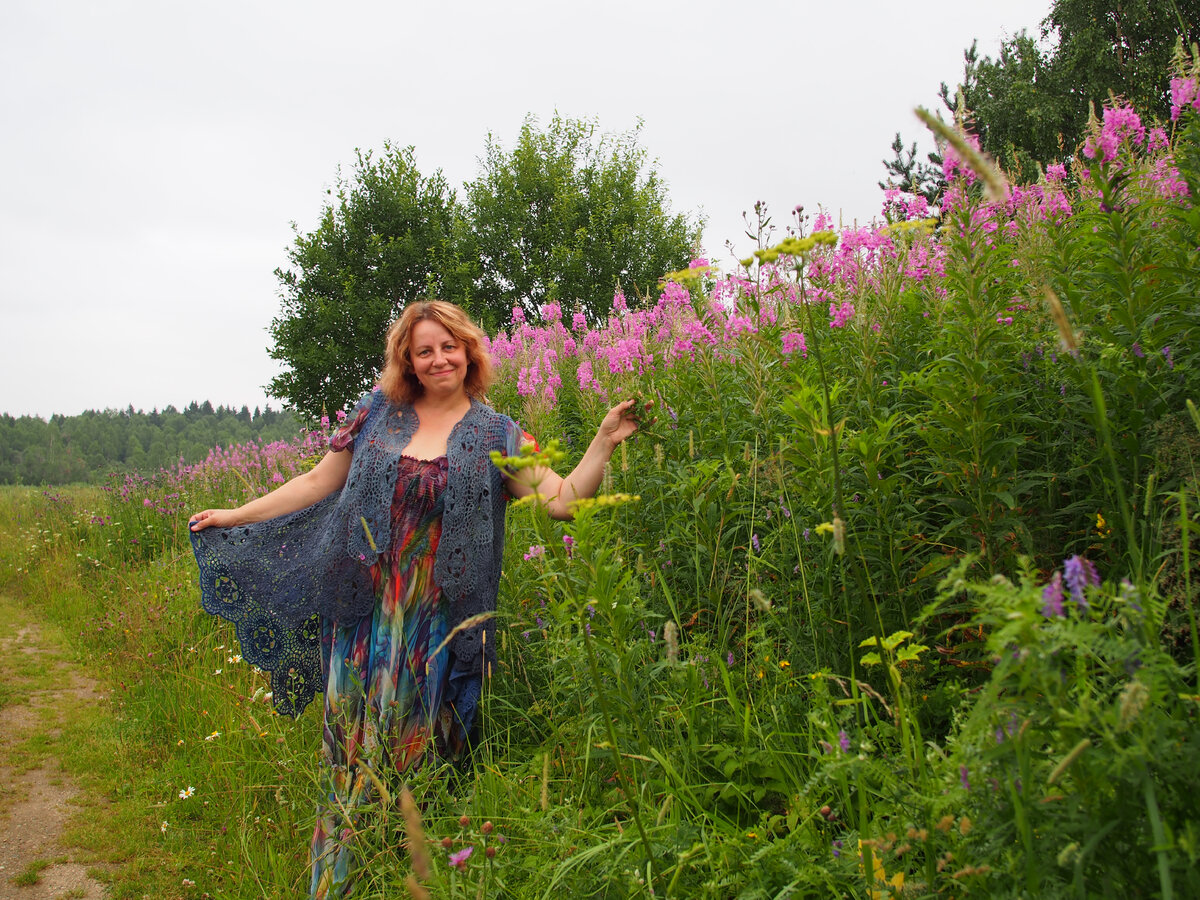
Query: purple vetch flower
[[1166, 352], [844, 741], [729, 659], [1052, 597], [541, 623], [1080, 573], [754, 543], [964, 777], [1138, 351], [837, 848]]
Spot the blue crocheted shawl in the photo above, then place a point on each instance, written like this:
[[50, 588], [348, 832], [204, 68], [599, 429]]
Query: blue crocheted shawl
[[276, 580]]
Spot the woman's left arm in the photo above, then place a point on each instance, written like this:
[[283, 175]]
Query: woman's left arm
[[559, 493]]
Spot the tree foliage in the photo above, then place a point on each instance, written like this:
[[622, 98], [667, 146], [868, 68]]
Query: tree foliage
[[912, 175], [568, 213], [1030, 104], [571, 214], [390, 235], [87, 447]]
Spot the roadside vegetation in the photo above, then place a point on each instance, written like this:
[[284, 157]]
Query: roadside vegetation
[[895, 598]]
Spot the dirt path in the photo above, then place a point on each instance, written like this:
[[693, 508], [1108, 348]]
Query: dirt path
[[39, 688]]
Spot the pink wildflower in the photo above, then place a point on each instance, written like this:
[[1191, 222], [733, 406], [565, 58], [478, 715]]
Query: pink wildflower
[[1185, 92], [840, 315], [794, 341], [1121, 124], [952, 164]]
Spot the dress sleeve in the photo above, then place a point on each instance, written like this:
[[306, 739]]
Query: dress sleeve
[[343, 437], [516, 438]]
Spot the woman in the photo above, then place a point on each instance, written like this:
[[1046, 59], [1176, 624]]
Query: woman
[[358, 571]]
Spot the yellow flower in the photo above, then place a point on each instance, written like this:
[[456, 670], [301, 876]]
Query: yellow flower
[[890, 886], [784, 664]]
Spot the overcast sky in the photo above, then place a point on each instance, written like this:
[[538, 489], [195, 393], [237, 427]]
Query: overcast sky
[[155, 154]]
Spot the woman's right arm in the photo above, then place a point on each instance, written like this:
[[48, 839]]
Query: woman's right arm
[[304, 490]]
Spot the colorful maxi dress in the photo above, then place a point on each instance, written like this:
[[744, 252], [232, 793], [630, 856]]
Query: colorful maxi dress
[[389, 699]]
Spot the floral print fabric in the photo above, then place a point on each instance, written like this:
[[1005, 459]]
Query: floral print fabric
[[389, 699]]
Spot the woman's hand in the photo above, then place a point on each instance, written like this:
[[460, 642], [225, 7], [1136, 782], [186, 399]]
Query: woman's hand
[[214, 518], [622, 421]]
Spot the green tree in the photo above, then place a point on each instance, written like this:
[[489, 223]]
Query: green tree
[[1031, 103], [390, 235], [909, 174], [571, 214]]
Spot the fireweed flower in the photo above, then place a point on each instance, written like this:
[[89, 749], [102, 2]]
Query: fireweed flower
[[1120, 124], [840, 315], [1185, 92], [793, 342]]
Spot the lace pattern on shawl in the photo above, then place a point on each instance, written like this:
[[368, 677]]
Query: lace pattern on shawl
[[272, 578]]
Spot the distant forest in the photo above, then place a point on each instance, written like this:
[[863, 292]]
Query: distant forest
[[87, 447]]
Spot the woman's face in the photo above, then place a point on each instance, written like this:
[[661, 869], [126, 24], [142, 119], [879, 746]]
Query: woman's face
[[439, 360]]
